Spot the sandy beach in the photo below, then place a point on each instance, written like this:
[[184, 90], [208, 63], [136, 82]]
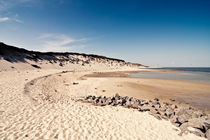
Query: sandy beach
[[42, 97], [41, 104]]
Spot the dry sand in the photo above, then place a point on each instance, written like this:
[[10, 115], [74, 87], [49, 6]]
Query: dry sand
[[41, 104]]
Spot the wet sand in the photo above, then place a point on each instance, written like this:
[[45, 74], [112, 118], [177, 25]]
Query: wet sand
[[191, 93]]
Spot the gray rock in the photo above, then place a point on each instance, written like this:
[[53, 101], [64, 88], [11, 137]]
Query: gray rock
[[163, 115], [163, 107], [108, 101], [130, 99], [97, 100], [88, 97], [103, 102], [196, 114], [157, 116], [113, 99], [174, 106], [117, 96], [123, 102], [183, 129], [183, 118], [135, 105], [144, 108], [174, 119], [118, 102], [74, 83], [169, 112], [93, 97], [198, 133], [157, 107], [198, 123], [128, 105], [207, 124], [208, 134], [156, 99]]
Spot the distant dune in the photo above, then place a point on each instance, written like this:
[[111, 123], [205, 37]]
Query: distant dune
[[37, 59]]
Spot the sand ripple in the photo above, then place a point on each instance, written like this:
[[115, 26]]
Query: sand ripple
[[25, 114]]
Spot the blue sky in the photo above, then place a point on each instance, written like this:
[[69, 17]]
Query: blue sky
[[151, 32]]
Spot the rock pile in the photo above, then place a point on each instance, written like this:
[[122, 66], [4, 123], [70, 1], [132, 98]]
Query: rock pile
[[186, 118]]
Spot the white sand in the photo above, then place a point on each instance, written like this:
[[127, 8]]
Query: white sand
[[25, 115]]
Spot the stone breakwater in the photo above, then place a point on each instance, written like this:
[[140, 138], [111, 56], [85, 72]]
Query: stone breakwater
[[188, 119]]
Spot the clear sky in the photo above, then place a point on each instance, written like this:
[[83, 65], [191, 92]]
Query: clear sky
[[151, 32]]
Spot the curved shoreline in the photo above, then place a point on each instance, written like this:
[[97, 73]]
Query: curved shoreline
[[192, 93], [66, 118]]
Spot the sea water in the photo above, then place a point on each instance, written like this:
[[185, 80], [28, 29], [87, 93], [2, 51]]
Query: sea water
[[199, 74]]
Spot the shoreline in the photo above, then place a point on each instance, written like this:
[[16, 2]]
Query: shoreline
[[50, 100], [178, 100]]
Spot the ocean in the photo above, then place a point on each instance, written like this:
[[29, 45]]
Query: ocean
[[199, 74]]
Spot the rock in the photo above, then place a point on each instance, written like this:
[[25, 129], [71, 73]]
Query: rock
[[118, 102], [174, 119], [61, 64], [208, 134], [156, 99], [157, 116], [157, 106], [135, 105], [123, 102], [108, 101], [130, 99], [93, 97], [144, 108], [114, 102], [188, 119], [88, 97], [113, 99], [173, 100], [174, 106], [169, 112], [183, 129], [36, 66], [180, 111], [163, 107], [97, 100], [183, 118], [74, 83], [196, 114], [197, 132], [102, 102], [139, 101], [163, 115], [117, 96], [144, 102], [198, 123], [207, 124], [153, 111]]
